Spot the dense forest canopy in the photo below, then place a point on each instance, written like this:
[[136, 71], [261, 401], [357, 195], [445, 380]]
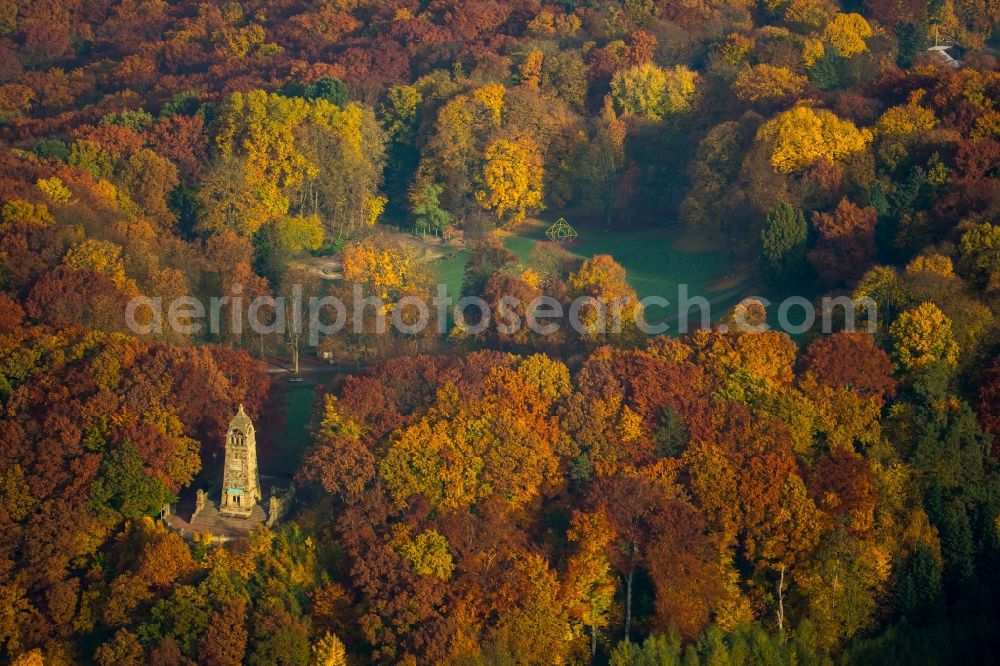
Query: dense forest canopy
[[502, 496]]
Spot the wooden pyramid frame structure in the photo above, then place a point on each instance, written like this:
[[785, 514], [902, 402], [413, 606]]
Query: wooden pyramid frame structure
[[561, 231]]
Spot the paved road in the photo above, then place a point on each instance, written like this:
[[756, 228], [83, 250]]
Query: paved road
[[311, 370]]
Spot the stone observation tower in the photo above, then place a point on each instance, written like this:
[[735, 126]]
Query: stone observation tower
[[240, 483], [242, 506]]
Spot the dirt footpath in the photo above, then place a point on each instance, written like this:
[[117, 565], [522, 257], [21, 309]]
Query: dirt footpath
[[425, 248]]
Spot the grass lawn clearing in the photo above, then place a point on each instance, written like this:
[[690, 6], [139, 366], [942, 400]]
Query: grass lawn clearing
[[291, 441], [656, 261], [652, 262], [451, 270]]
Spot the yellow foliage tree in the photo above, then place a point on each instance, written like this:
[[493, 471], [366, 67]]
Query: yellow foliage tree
[[847, 33], [329, 651], [347, 146], [681, 90], [568, 24], [19, 210], [812, 50], [601, 277], [233, 42], [766, 357], [548, 376], [455, 123], [101, 257], [932, 263], [511, 182], [543, 23], [427, 552], [262, 125], [401, 107], [800, 136], [463, 451], [235, 199], [373, 208], [736, 48], [809, 13], [909, 118], [91, 157], [536, 629], [31, 658], [282, 154], [434, 460], [384, 266], [650, 92], [491, 96], [923, 336], [54, 190], [531, 68], [300, 232], [767, 83], [945, 24], [590, 582], [15, 101]]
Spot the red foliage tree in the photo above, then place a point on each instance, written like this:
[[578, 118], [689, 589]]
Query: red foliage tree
[[844, 487], [989, 405], [846, 243], [67, 297], [182, 140], [850, 360]]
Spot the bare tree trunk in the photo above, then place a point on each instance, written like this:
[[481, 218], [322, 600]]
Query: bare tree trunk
[[295, 355], [628, 603], [593, 642], [781, 600]]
